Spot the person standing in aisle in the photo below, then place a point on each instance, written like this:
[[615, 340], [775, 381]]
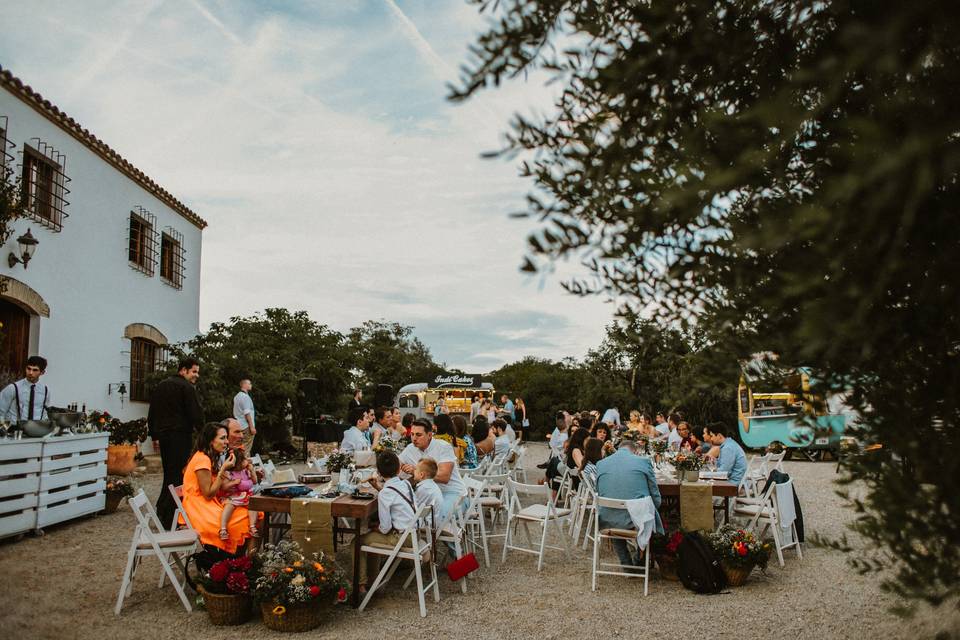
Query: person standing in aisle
[[243, 413]]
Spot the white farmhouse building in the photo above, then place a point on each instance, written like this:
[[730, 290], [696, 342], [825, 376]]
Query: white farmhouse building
[[116, 272]]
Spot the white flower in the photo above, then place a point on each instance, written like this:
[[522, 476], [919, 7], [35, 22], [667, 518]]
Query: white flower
[[298, 580]]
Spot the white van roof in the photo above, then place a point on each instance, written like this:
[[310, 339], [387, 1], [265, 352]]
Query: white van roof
[[417, 387]]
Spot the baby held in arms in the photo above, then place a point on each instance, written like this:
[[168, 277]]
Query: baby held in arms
[[239, 494]]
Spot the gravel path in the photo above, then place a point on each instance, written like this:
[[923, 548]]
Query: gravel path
[[64, 584]]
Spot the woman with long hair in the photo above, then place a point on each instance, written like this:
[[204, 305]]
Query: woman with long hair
[[592, 454], [521, 423], [470, 457], [204, 479]]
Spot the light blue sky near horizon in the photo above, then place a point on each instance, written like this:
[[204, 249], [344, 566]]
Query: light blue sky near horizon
[[317, 141]]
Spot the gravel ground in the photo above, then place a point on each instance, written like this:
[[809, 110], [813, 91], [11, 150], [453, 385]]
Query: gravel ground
[[64, 584]]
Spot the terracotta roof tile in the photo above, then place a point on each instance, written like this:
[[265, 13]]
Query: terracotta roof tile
[[23, 91]]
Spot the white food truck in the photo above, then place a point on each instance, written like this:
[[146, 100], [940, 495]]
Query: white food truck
[[457, 391]]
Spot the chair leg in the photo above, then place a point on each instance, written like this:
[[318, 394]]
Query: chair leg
[[796, 541], [176, 585], [459, 551], [776, 543], [507, 540], [646, 570], [387, 566], [483, 540], [543, 544], [419, 573], [125, 583], [596, 558]]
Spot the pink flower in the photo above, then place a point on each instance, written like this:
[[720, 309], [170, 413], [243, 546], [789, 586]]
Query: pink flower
[[238, 583]]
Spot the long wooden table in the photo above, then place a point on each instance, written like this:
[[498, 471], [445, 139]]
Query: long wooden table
[[721, 489], [359, 511]]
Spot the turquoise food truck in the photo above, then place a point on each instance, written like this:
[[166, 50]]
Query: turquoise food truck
[[791, 416]]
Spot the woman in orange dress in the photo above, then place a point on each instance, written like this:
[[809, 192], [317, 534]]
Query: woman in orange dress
[[203, 479]]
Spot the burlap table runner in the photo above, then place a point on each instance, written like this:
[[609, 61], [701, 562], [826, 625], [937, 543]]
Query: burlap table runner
[[311, 525], [696, 506]]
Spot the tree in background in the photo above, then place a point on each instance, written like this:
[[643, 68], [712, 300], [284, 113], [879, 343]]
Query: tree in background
[[545, 386], [784, 176], [388, 353]]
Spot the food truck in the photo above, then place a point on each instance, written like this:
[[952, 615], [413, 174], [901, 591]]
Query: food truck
[[790, 415], [457, 390]]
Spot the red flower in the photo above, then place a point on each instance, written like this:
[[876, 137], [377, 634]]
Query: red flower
[[314, 590], [237, 582], [219, 571], [341, 595], [742, 549], [243, 563]]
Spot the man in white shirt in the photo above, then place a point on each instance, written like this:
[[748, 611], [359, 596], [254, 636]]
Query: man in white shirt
[[662, 427], [509, 432], [27, 398], [611, 416], [502, 443], [395, 509], [354, 438], [674, 437], [244, 414], [559, 436], [424, 445]]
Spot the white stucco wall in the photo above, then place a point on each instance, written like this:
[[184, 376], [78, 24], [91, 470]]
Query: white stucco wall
[[83, 274]]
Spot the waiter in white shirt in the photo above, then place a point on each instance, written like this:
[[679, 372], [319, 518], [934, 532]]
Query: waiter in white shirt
[[27, 398], [423, 445], [354, 438]]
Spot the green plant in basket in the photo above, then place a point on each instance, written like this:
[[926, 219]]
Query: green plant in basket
[[288, 577], [738, 548], [120, 486]]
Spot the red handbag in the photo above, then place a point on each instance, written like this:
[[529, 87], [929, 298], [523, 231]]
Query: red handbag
[[462, 566]]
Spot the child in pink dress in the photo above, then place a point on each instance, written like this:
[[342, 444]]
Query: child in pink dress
[[239, 495]]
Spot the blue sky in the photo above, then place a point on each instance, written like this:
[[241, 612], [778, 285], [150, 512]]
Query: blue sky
[[316, 140]]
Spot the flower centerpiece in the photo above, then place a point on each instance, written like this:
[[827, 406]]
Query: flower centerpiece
[[291, 588], [386, 443], [739, 552], [664, 549], [117, 489], [659, 446], [687, 464], [338, 460], [642, 440], [227, 590]]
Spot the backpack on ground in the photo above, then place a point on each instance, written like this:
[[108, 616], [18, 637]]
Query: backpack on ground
[[697, 566]]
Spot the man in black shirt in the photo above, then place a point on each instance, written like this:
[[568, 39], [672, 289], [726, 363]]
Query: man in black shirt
[[175, 414]]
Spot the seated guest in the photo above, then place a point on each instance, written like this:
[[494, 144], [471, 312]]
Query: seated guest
[[673, 438], [574, 455], [706, 447], [502, 444], [427, 490], [732, 458], [204, 479], [443, 430], [559, 436], [626, 476], [381, 424], [424, 445], [648, 429], [470, 457], [483, 437], [354, 438], [634, 423], [602, 433], [662, 427], [508, 431], [688, 441], [396, 511], [406, 423], [592, 454]]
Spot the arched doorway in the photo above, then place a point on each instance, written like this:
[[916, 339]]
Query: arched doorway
[[15, 332]]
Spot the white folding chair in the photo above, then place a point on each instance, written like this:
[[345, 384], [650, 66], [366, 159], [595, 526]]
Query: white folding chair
[[499, 463], [177, 494], [585, 506], [766, 513], [150, 539], [517, 469], [543, 512], [494, 498], [452, 532], [627, 535], [473, 519], [419, 550]]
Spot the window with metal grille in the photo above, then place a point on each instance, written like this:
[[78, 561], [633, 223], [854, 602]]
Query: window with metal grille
[[44, 184], [142, 241], [5, 144], [172, 258], [145, 355]]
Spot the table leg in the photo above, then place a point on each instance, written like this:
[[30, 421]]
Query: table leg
[[355, 595], [726, 510], [265, 529]]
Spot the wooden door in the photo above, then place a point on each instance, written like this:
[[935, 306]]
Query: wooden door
[[15, 334]]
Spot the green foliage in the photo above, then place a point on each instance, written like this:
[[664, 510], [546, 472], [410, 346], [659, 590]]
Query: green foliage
[[783, 176], [388, 353], [545, 386]]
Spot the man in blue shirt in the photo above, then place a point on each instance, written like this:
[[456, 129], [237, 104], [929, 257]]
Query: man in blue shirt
[[732, 458], [626, 476], [508, 406]]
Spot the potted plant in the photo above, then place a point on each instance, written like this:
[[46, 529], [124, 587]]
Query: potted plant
[[293, 590], [123, 448], [687, 465], [117, 489], [227, 590], [739, 552], [664, 550]]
